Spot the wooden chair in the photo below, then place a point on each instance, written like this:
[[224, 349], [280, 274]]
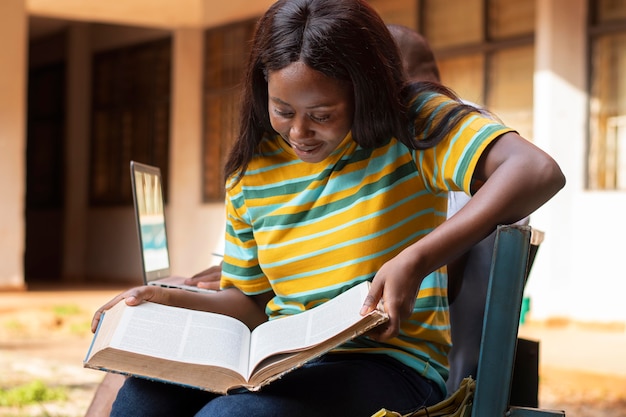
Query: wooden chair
[[500, 327]]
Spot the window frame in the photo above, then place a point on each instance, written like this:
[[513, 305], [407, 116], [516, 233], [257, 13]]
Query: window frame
[[128, 124], [486, 47], [217, 145], [596, 181]]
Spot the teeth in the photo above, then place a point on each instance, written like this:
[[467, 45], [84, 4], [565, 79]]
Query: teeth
[[303, 149]]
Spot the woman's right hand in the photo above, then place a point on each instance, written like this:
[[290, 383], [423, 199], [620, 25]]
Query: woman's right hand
[[133, 297], [208, 279]]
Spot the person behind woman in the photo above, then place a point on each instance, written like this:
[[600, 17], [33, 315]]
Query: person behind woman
[[340, 174], [468, 275]]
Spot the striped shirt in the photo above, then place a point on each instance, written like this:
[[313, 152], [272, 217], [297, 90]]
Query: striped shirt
[[309, 231]]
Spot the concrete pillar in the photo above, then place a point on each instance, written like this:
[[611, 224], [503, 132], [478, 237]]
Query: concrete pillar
[[77, 151], [186, 238], [560, 129], [13, 56]]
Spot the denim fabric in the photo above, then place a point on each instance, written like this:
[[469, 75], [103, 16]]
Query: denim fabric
[[335, 385]]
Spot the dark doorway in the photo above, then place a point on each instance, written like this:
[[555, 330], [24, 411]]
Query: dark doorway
[[45, 194]]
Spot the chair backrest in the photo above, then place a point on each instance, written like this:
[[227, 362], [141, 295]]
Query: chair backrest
[[500, 326], [468, 283], [509, 270]]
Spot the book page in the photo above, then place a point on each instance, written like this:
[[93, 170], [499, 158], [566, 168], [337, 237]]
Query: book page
[[308, 328], [184, 335]]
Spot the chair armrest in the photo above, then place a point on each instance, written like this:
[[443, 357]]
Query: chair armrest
[[533, 412]]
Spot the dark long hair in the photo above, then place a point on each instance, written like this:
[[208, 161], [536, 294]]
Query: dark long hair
[[345, 40]]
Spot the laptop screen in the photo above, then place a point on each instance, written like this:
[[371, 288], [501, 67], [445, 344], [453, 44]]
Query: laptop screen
[[150, 215]]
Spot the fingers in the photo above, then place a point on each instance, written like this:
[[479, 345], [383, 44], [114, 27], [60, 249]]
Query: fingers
[[373, 297], [203, 277], [209, 285], [209, 278], [96, 319], [132, 297], [385, 331], [391, 328], [211, 282], [99, 312], [392, 290]]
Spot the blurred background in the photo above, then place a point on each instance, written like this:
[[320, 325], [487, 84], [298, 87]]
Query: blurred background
[[86, 86]]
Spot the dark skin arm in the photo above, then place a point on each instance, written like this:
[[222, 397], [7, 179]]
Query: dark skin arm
[[518, 178], [231, 302]]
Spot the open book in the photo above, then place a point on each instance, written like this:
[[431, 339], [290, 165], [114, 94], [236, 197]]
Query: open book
[[218, 353]]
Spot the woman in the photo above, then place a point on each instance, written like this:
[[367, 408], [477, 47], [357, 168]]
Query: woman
[[340, 174]]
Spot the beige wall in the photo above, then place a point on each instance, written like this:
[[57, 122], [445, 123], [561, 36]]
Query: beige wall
[[151, 13], [559, 126], [101, 243], [12, 141], [579, 273], [159, 13], [195, 229], [109, 242]]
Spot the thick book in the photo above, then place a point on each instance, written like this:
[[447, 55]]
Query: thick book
[[218, 353]]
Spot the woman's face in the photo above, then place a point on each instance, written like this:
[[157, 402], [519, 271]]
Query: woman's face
[[311, 111]]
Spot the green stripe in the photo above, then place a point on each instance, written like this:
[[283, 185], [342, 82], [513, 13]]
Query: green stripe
[[463, 165], [400, 175]]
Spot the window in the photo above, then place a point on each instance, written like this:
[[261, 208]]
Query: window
[[485, 53], [452, 23], [226, 53], [131, 117], [606, 164], [399, 12], [465, 76], [510, 87]]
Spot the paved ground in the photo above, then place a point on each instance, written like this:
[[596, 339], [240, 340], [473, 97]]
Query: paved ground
[[45, 334], [582, 369]]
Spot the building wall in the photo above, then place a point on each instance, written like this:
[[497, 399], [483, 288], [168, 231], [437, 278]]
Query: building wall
[[12, 141], [560, 129], [577, 273], [151, 13]]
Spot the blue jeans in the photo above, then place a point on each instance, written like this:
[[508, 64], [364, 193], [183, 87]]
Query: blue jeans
[[336, 384]]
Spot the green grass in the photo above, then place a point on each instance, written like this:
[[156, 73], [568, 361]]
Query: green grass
[[81, 329], [33, 392], [67, 315], [67, 310], [14, 325]]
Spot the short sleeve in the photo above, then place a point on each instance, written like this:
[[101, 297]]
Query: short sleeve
[[450, 165]]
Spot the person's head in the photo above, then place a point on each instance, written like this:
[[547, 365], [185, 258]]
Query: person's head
[[344, 41], [312, 112], [418, 60]]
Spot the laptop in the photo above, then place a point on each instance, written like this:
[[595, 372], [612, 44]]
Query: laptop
[[150, 218]]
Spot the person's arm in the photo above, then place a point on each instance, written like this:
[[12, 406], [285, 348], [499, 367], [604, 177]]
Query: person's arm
[[231, 302], [105, 394], [518, 178]]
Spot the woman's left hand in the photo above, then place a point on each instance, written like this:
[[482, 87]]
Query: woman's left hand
[[394, 287], [133, 297]]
